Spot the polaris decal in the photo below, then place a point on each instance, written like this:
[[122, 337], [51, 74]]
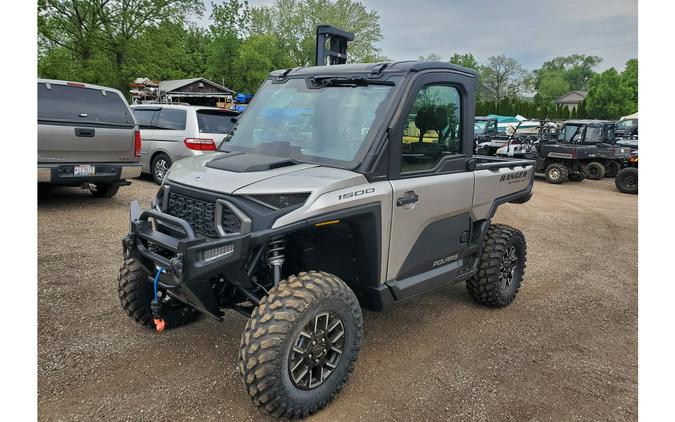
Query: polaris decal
[[356, 193], [514, 177], [444, 261]]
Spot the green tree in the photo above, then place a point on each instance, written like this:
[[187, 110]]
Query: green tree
[[99, 33], [577, 69], [228, 30], [629, 79], [608, 97], [502, 77], [258, 56], [294, 23], [552, 86], [465, 60]]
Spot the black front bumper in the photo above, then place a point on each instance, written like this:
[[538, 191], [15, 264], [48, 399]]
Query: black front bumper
[[157, 240]]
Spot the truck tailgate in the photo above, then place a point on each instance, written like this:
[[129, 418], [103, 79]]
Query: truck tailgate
[[81, 123]]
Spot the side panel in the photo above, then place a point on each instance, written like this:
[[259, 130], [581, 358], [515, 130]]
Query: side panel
[[344, 199], [444, 203], [492, 184]]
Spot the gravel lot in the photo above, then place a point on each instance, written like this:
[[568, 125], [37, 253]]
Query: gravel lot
[[566, 349]]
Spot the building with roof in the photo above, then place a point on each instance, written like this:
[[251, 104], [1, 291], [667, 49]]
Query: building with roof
[[195, 91], [571, 100]]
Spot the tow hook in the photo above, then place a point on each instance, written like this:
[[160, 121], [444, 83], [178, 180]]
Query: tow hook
[[127, 243], [156, 305]]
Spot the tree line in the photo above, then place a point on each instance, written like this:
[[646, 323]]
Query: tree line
[[503, 83], [112, 42]]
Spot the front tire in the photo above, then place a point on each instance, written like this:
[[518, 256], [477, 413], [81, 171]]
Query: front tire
[[284, 362], [135, 293], [160, 165], [627, 180], [501, 267], [556, 173]]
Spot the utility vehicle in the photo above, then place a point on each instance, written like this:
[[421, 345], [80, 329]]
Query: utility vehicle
[[605, 158], [340, 187], [578, 152], [484, 130]]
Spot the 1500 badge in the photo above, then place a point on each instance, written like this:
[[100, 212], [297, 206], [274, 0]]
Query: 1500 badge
[[356, 193]]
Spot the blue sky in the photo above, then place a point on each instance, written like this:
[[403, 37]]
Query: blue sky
[[531, 31]]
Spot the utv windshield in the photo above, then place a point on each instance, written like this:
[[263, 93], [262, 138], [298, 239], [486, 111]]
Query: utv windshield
[[330, 125], [479, 127], [588, 134]]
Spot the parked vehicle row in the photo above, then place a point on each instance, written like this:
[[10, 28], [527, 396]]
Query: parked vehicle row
[[572, 151]]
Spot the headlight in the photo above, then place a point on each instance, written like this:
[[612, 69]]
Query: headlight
[[283, 200]]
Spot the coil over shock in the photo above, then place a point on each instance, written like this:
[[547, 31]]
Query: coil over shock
[[275, 257]]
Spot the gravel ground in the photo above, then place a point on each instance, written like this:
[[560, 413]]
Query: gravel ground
[[566, 349]]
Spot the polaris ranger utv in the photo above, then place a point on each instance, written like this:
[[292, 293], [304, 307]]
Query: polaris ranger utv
[[341, 187], [583, 149], [606, 158]]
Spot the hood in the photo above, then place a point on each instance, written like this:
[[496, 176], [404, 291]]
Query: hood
[[225, 173]]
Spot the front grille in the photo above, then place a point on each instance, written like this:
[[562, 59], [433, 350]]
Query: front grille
[[200, 215]]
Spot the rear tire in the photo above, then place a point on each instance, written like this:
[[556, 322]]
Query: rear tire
[[160, 165], [274, 358], [596, 171], [501, 267], [612, 168], [556, 173], [104, 190], [627, 180], [135, 292]]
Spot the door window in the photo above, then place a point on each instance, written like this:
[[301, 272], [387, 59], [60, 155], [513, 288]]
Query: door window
[[432, 128], [171, 119]]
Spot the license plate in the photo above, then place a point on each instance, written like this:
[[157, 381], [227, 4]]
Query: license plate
[[84, 171]]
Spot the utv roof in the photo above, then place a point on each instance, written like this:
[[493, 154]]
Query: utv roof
[[588, 122], [372, 68], [484, 118]]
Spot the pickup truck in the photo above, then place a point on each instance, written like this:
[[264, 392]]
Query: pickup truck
[[341, 187], [87, 137]]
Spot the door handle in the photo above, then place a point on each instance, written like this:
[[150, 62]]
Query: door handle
[[408, 198], [85, 132]]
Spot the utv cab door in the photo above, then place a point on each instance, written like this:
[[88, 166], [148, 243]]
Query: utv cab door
[[432, 190]]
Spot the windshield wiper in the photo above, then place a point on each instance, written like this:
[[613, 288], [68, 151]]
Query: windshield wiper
[[324, 81]]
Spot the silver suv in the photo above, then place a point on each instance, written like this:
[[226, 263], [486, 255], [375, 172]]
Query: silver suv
[[87, 136], [172, 132]]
